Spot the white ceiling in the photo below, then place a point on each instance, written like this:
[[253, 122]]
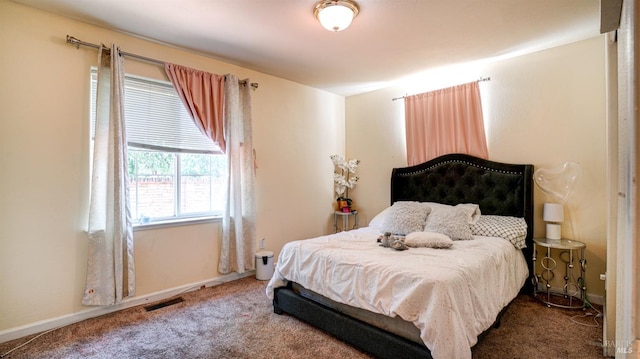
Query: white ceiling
[[388, 40]]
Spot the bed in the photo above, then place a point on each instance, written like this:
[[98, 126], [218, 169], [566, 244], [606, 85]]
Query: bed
[[336, 282]]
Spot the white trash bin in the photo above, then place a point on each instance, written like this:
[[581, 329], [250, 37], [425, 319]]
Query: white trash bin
[[264, 265]]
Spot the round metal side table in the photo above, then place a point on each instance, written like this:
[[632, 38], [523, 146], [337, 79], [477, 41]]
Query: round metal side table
[[572, 295]]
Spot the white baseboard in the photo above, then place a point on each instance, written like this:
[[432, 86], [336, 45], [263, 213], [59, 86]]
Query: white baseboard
[[595, 299], [91, 312]]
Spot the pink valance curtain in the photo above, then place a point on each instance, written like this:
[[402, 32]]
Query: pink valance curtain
[[445, 121], [203, 96]]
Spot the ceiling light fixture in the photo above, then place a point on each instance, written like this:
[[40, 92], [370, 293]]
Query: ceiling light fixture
[[335, 15]]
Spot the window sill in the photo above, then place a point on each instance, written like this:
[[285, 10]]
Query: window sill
[[175, 223]]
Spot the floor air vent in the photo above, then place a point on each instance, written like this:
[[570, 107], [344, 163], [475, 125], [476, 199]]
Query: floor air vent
[[164, 304]]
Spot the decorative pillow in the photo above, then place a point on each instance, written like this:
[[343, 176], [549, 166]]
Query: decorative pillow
[[405, 217], [428, 239], [470, 209], [378, 220], [454, 222], [513, 229]]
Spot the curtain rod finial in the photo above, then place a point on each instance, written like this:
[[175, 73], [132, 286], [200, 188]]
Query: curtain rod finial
[[73, 40]]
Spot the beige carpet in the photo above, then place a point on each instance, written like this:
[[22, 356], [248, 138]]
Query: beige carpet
[[236, 320]]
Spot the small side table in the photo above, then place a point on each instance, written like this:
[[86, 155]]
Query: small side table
[[345, 220], [573, 292]]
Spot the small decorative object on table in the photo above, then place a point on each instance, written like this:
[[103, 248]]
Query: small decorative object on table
[[344, 179], [553, 215]]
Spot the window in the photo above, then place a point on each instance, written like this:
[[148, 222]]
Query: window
[[175, 172]]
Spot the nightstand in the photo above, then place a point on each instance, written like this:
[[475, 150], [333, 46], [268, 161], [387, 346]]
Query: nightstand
[[345, 220], [573, 293]]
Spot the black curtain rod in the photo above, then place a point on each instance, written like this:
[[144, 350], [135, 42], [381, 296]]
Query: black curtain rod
[[78, 43], [479, 80]]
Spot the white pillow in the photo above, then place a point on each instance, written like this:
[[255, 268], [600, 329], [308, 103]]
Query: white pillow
[[379, 219], [428, 239], [450, 221], [470, 209], [405, 217]]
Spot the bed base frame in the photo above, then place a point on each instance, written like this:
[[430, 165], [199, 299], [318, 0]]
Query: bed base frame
[[498, 188], [366, 337]]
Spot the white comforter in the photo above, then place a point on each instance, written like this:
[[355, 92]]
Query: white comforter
[[451, 295]]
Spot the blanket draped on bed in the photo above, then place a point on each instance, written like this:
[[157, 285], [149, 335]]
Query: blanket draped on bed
[[451, 295]]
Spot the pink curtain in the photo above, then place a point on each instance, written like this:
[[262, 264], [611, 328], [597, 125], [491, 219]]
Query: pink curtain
[[203, 96], [445, 121]]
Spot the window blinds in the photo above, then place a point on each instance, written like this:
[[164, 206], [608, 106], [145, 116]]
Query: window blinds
[[156, 118]]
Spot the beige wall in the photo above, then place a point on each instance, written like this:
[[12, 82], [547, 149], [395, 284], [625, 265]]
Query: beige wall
[[44, 106], [543, 108]]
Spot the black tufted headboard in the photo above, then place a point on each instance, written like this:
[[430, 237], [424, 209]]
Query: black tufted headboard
[[498, 188]]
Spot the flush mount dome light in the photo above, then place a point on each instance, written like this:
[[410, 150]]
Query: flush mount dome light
[[335, 15]]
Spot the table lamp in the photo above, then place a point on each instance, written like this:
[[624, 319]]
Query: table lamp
[[553, 214]]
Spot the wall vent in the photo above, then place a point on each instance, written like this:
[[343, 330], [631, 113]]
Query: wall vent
[[163, 304]]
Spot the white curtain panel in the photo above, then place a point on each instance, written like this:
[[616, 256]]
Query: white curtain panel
[[238, 245], [110, 265]]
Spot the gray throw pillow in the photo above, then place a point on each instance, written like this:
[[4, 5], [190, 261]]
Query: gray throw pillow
[[405, 217], [453, 222]]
